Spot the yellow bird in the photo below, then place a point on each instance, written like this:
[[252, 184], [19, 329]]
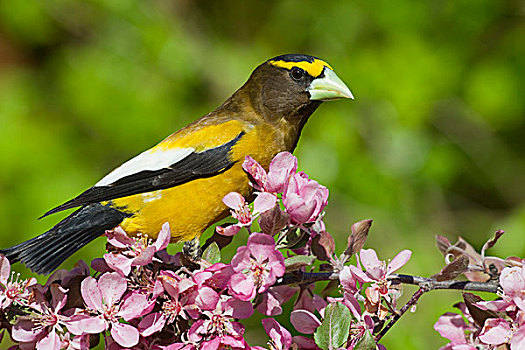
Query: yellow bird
[[183, 179]]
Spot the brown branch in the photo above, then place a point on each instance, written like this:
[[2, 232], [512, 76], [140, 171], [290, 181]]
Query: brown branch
[[300, 277], [432, 284]]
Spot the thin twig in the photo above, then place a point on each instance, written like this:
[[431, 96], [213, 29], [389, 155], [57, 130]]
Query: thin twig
[[301, 277], [413, 301]]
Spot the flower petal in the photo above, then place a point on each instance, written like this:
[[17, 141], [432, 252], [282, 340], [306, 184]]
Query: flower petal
[[495, 331], [359, 274], [451, 326], [5, 270], [119, 238], [50, 342], [512, 280], [91, 293], [305, 343], [26, 331], [118, 262], [256, 171], [100, 265], [264, 202], [238, 308], [351, 302], [242, 259], [112, 286], [124, 334], [151, 323], [347, 280], [207, 298], [304, 321], [164, 237], [241, 287], [234, 200], [282, 166], [398, 261], [145, 257], [369, 259], [280, 336], [230, 230], [58, 296], [135, 305], [260, 244], [80, 324], [518, 339]]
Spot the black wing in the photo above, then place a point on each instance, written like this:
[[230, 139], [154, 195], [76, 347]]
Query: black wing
[[196, 165]]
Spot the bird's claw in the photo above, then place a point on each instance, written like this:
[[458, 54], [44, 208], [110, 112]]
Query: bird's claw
[[192, 250]]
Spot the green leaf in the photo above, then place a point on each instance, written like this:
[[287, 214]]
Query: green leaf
[[212, 254], [334, 330], [366, 343], [296, 262]]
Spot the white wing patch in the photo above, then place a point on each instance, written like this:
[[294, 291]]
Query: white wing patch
[[151, 196], [148, 160]]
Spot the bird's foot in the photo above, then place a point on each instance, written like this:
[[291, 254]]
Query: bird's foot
[[192, 249]]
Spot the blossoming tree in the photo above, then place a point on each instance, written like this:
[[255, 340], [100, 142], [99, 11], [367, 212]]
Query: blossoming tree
[[141, 297]]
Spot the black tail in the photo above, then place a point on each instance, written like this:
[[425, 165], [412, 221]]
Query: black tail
[[46, 252]]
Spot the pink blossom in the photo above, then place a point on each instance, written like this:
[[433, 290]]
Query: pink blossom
[[274, 298], [512, 280], [43, 327], [453, 327], [378, 271], [241, 210], [304, 199], [282, 166], [103, 300], [187, 298], [13, 290], [216, 276], [134, 251], [497, 331], [280, 338], [219, 327], [257, 266]]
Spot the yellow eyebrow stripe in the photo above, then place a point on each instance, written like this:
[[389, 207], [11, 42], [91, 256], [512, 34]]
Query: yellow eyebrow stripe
[[314, 68]]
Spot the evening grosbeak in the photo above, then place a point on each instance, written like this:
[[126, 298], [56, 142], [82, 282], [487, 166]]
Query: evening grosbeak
[[183, 179]]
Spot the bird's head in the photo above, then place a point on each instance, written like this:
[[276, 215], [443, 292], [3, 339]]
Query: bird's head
[[292, 86]]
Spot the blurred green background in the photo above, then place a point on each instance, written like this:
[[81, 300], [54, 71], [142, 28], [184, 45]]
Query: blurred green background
[[432, 144]]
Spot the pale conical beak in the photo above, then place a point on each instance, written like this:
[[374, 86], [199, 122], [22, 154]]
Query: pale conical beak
[[329, 87]]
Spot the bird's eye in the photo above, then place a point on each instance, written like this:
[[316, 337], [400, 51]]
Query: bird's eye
[[297, 73]]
